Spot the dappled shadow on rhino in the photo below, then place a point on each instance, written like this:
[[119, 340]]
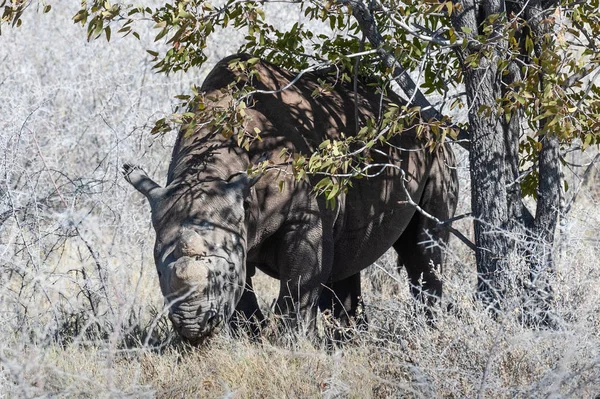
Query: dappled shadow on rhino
[[215, 225]]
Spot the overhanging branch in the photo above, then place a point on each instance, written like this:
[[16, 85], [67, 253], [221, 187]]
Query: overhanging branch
[[368, 26]]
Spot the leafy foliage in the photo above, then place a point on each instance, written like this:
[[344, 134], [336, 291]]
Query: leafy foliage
[[558, 93], [12, 10]]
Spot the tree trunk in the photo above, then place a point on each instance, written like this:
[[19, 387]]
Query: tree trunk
[[487, 156], [488, 183], [546, 219], [519, 217], [494, 157]]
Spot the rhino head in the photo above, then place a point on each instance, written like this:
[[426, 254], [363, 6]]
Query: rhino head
[[200, 248]]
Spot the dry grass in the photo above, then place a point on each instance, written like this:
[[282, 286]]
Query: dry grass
[[80, 307]]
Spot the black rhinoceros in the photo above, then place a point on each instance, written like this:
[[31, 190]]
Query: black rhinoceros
[[214, 225]]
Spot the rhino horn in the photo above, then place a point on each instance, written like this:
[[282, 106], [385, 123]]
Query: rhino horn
[[188, 244], [187, 273], [141, 182]]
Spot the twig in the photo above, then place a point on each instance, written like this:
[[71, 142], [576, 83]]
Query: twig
[[290, 84], [76, 228], [432, 39]]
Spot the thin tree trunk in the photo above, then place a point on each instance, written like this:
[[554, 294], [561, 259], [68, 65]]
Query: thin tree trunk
[[519, 217], [546, 215], [549, 186]]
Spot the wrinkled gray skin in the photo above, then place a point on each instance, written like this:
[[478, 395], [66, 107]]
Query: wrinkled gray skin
[[214, 225]]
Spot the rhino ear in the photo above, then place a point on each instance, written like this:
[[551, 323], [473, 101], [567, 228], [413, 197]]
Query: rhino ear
[[141, 182]]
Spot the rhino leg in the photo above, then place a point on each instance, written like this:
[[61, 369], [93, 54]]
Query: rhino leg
[[248, 316], [421, 262], [304, 260], [415, 248], [341, 303]]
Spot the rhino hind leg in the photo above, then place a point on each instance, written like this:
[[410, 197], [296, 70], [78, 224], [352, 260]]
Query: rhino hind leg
[[420, 249], [421, 258], [421, 246], [343, 309]]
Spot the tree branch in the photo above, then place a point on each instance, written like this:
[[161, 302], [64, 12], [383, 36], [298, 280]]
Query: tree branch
[[368, 26], [428, 38]]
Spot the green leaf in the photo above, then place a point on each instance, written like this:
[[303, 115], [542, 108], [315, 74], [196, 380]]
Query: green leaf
[[323, 183], [528, 44], [161, 34], [81, 16], [587, 140], [333, 192], [554, 120]]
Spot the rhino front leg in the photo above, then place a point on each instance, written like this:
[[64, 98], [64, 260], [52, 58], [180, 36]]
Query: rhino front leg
[[304, 259], [248, 316]]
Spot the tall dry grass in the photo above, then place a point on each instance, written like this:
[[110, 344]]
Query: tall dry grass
[[80, 308]]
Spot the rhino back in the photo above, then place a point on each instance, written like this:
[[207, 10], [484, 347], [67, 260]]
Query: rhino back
[[370, 217], [295, 118]]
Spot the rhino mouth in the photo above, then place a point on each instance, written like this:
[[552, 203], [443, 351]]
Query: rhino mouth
[[200, 294], [196, 330]]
